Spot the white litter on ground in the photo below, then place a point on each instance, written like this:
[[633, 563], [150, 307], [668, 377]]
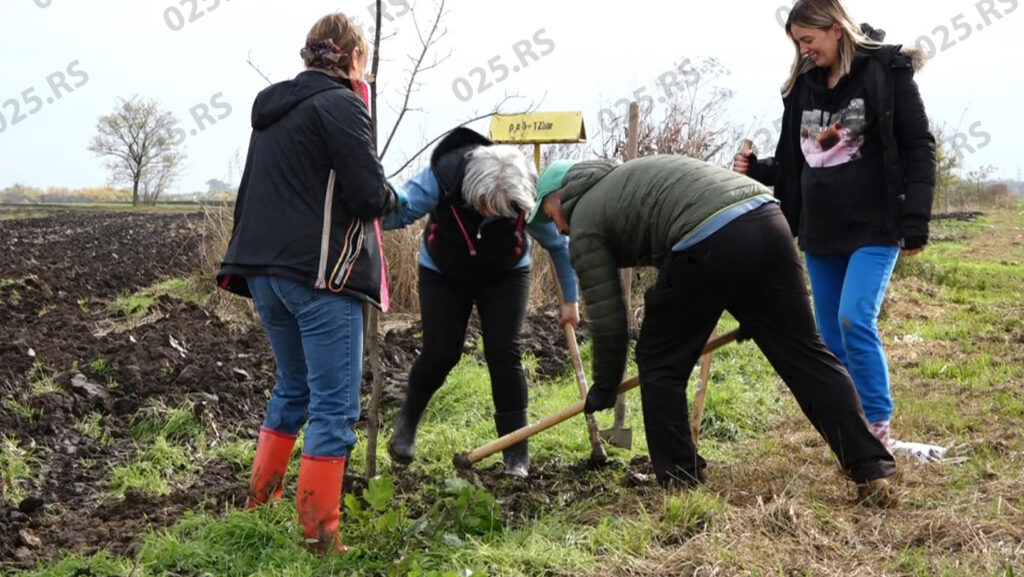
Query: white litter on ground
[[923, 451]]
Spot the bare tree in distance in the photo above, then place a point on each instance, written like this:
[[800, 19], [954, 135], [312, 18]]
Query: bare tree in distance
[[947, 165], [135, 141], [692, 124], [159, 176], [978, 177], [561, 151]]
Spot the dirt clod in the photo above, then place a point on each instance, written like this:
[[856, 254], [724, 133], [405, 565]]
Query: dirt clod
[[29, 540]]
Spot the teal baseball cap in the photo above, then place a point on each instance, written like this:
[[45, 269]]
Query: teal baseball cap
[[549, 181]]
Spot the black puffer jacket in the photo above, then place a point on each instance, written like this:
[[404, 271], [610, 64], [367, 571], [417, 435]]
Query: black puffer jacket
[[456, 238], [311, 189], [908, 148]]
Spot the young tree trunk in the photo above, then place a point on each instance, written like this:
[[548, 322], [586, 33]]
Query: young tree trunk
[[372, 319]]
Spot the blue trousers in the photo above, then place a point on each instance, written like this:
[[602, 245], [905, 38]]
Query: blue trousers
[[848, 292], [317, 337]]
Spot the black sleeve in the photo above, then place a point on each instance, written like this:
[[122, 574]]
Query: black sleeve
[[917, 150], [766, 170], [776, 173], [763, 170], [365, 192]]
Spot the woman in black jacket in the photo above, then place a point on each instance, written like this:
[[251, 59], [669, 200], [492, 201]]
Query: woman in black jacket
[[306, 248], [854, 170]]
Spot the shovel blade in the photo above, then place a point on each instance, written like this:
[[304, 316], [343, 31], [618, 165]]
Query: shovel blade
[[621, 438]]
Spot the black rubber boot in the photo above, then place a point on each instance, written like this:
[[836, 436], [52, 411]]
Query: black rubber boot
[[517, 457], [402, 445]]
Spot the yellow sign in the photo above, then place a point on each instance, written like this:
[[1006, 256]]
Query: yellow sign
[[538, 128]]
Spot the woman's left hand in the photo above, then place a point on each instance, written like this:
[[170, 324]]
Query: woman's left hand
[[569, 313], [912, 246]]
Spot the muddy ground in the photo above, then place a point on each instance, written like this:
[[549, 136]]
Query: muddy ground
[[64, 355]]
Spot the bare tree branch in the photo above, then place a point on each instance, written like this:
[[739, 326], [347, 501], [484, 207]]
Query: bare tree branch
[[496, 110], [692, 125], [432, 39], [248, 60]]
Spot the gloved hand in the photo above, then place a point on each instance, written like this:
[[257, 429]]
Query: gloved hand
[[913, 233], [913, 242], [399, 201], [599, 399]]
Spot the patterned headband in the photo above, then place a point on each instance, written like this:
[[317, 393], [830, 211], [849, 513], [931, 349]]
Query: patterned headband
[[322, 54]]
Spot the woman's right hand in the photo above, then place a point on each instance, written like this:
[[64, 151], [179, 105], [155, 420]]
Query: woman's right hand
[[740, 164]]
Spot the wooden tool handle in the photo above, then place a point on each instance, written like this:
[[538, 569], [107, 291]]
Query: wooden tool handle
[[597, 449], [466, 460]]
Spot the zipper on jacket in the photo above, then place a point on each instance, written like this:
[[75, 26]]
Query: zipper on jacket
[[325, 234], [469, 242]]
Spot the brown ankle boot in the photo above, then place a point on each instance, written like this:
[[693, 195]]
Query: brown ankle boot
[[318, 501], [878, 493], [268, 467]]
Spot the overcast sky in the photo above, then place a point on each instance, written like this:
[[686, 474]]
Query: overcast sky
[[191, 55]]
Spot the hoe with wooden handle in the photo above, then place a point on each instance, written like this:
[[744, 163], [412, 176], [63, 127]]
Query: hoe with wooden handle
[[466, 460], [597, 453], [701, 393]]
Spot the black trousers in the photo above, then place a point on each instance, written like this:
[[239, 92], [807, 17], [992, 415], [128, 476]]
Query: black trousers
[[445, 305], [751, 269]]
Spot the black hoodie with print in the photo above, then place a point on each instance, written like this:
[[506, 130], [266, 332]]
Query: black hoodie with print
[[896, 136], [842, 181]]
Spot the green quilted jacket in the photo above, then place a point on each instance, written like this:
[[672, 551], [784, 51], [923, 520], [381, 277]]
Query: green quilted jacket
[[630, 215]]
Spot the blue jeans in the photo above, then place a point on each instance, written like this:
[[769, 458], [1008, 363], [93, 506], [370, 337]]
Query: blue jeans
[[317, 337], [848, 291]]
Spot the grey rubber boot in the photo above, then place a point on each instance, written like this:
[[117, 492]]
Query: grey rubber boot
[[402, 445], [517, 457]]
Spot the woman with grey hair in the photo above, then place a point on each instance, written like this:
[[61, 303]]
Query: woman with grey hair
[[476, 250]]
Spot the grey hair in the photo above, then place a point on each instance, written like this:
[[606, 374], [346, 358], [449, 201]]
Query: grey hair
[[499, 179]]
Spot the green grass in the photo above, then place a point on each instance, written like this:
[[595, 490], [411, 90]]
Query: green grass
[[15, 469], [102, 367], [19, 211], [101, 563], [11, 291], [7, 283], [42, 380], [131, 306], [237, 451], [24, 412], [174, 424], [156, 468], [692, 511], [92, 427], [137, 305]]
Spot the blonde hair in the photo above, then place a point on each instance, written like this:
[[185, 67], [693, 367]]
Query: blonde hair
[[499, 179], [344, 33], [823, 14]]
